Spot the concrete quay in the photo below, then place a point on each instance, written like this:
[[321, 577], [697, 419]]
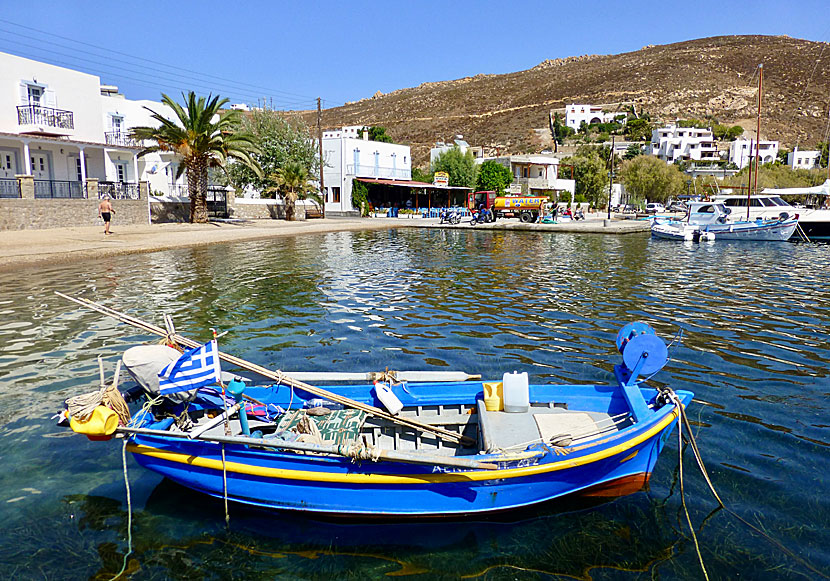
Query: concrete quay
[[589, 226]]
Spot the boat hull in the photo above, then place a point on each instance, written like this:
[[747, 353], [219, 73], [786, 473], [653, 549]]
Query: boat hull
[[616, 463], [748, 231]]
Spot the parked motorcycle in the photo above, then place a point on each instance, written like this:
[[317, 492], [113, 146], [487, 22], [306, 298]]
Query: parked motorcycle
[[450, 217], [482, 216]]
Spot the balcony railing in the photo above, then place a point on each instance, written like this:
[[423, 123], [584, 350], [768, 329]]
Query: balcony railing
[[37, 115], [121, 138], [9, 188], [59, 189], [118, 190], [378, 172]]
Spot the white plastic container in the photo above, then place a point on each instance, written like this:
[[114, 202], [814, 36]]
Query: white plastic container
[[388, 398], [516, 392]]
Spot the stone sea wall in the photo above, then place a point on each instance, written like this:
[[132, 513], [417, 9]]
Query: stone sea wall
[[30, 213]]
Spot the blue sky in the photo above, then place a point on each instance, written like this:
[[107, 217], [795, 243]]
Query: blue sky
[[292, 52]]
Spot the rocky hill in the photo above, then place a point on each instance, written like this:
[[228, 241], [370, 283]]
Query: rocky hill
[[698, 78]]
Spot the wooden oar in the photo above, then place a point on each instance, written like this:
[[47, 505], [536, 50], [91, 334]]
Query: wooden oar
[[276, 376], [413, 376], [389, 455]]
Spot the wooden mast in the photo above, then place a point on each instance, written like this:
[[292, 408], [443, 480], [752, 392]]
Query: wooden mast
[[757, 139]]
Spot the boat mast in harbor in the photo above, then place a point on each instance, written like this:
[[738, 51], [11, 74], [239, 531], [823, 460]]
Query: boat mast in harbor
[[754, 185]]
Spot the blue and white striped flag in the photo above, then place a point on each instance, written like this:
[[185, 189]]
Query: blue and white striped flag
[[196, 368]]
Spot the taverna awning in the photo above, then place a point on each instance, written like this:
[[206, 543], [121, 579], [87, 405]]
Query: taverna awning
[[409, 184]]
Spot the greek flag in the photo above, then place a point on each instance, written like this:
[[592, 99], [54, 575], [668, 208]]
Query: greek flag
[[197, 367]]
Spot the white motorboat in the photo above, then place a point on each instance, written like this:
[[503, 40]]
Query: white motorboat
[[814, 221], [712, 218]]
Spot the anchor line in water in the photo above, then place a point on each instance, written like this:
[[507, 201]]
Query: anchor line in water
[[690, 438]]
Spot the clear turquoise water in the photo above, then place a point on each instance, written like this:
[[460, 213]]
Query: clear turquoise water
[[755, 352]]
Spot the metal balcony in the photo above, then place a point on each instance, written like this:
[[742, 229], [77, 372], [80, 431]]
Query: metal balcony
[[371, 171], [121, 138], [45, 117]]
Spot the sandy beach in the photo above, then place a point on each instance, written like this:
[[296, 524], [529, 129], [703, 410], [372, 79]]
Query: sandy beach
[[31, 247], [28, 247]]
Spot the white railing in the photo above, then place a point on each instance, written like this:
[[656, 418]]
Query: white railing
[[371, 171]]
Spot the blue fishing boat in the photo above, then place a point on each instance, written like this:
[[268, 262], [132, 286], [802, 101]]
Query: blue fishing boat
[[396, 449]]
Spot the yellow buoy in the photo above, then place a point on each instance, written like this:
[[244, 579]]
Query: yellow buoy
[[100, 424]]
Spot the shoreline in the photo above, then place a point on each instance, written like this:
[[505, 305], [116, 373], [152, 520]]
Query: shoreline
[[21, 248]]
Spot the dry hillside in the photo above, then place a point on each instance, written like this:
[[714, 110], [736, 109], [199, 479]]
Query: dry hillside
[[711, 76]]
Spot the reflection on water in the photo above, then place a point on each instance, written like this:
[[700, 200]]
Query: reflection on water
[[754, 351]]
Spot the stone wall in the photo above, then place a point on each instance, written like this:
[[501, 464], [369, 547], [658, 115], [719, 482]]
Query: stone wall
[[172, 209], [169, 210], [30, 213]]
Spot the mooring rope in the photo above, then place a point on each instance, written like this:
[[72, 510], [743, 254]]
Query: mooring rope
[[129, 512], [699, 459], [677, 403]]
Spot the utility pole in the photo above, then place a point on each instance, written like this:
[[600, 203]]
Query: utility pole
[[322, 161], [611, 177]]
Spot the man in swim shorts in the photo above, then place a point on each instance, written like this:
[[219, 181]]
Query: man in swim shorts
[[105, 212]]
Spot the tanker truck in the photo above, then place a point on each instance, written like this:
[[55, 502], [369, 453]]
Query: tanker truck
[[526, 208]]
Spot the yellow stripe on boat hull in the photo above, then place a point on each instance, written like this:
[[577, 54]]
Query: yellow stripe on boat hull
[[436, 478]]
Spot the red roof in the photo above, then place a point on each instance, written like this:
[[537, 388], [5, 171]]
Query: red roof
[[408, 184]]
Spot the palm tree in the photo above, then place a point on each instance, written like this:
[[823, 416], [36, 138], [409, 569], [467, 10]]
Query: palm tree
[[203, 137], [292, 183]]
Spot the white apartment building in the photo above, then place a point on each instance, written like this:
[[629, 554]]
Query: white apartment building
[[120, 115], [536, 174], [803, 159], [441, 148], [64, 127], [576, 114], [742, 150], [672, 143], [348, 157]]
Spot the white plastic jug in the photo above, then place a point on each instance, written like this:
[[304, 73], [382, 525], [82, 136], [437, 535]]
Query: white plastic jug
[[388, 398], [516, 392]]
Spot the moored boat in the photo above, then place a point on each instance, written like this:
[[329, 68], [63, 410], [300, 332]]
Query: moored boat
[[712, 218], [399, 449]]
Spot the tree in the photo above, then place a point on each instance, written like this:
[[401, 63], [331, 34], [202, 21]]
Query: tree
[[360, 197], [590, 174], [493, 176], [648, 178], [203, 137], [461, 167], [638, 129], [279, 140], [735, 131], [292, 183], [822, 158], [377, 133], [632, 151], [421, 175]]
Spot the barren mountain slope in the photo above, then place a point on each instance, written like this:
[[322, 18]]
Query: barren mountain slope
[[712, 76]]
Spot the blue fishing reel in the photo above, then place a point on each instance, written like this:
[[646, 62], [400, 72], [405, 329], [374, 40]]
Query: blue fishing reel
[[643, 351]]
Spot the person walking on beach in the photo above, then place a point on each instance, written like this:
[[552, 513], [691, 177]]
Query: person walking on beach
[[105, 212]]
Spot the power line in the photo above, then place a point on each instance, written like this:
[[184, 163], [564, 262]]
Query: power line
[[199, 77]]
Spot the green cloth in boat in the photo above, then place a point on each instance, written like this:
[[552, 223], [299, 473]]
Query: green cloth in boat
[[338, 427]]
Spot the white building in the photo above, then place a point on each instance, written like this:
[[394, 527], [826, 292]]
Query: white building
[[742, 150], [576, 114], [803, 159], [536, 174], [672, 143], [348, 157], [64, 127], [441, 148]]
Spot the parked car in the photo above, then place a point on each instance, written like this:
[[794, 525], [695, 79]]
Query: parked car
[[654, 208]]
